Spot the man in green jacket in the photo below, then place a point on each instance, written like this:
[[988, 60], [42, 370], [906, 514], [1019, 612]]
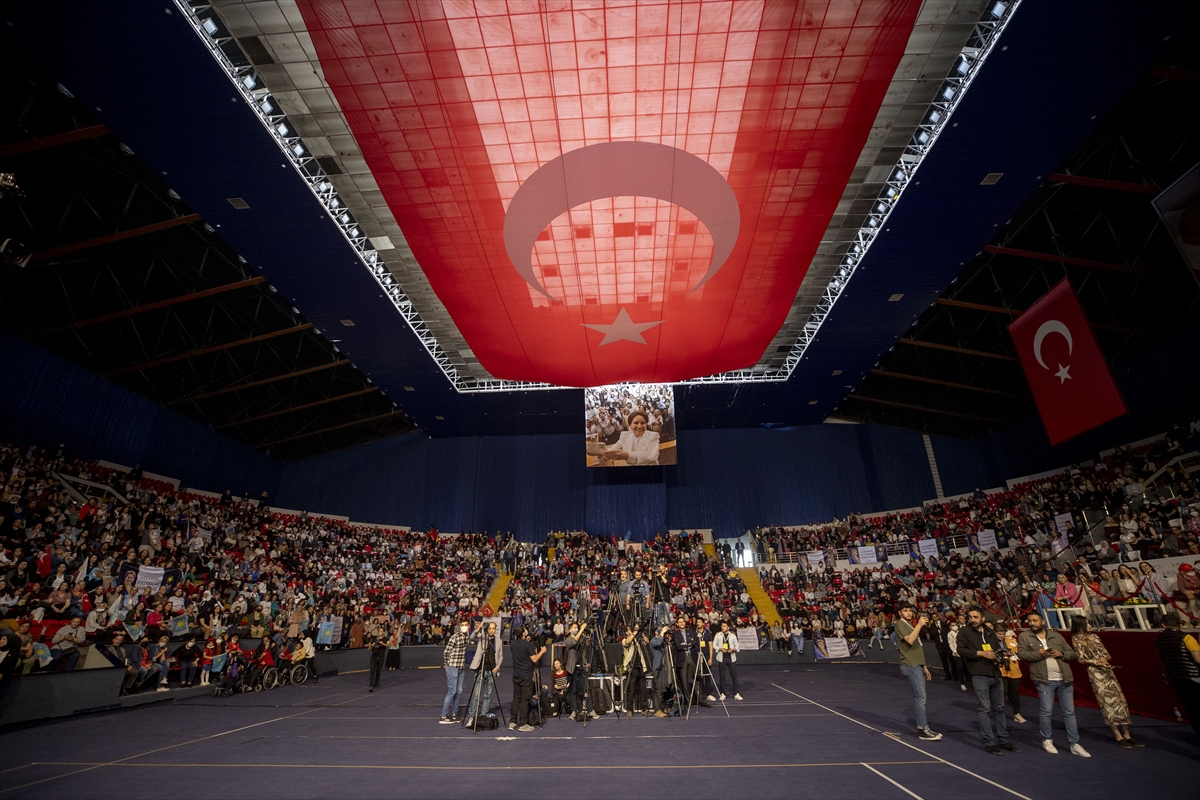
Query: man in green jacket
[[1048, 653]]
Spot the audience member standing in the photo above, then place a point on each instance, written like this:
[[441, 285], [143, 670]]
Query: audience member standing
[[1010, 669], [1094, 655], [981, 650], [454, 661], [1180, 657], [1048, 653], [912, 665]]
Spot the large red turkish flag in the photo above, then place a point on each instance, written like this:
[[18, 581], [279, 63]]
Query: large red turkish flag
[[1066, 370], [605, 191]]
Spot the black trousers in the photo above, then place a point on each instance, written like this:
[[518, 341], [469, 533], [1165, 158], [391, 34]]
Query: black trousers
[[729, 668], [949, 672], [378, 654], [685, 674], [522, 694], [1189, 698], [635, 686], [1012, 693]]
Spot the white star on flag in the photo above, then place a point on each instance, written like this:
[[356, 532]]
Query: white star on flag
[[623, 329], [1062, 374]]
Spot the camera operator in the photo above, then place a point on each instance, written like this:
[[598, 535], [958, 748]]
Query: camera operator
[[488, 657], [663, 678], [638, 666], [637, 602], [662, 595], [687, 649], [524, 657], [623, 586], [572, 657]]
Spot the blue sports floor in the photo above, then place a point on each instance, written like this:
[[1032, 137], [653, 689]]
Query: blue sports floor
[[827, 731]]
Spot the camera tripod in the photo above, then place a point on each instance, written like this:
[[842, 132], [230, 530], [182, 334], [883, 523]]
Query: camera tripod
[[672, 678], [704, 673], [477, 686]]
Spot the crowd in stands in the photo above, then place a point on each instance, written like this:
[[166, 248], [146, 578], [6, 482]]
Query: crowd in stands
[[1035, 564], [141, 568], [158, 580]]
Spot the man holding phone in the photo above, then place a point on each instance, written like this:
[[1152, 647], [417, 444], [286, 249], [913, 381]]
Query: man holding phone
[[912, 664], [1048, 653]]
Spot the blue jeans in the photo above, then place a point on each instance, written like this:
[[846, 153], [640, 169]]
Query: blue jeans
[[798, 642], [916, 679], [454, 684], [1066, 701], [489, 681], [989, 691], [187, 672]]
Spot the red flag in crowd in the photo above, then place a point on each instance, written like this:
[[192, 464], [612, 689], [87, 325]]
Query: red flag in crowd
[[1066, 370]]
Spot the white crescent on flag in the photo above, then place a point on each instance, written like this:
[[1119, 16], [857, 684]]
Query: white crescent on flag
[[1048, 327]]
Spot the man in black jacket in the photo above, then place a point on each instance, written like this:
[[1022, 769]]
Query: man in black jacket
[[939, 629], [980, 647]]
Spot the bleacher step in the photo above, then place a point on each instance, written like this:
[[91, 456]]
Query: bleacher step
[[758, 595]]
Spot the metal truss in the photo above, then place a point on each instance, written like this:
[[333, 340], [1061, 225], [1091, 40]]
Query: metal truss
[[238, 68]]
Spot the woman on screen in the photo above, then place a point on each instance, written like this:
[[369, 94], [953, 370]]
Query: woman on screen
[[636, 446]]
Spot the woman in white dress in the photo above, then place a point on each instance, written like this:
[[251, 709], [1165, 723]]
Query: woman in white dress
[[636, 446]]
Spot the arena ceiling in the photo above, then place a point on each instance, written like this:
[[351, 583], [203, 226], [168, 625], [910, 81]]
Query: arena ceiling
[[767, 194]]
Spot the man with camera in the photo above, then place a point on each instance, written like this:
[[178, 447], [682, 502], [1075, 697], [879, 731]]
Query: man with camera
[[686, 650], [637, 602], [639, 678], [572, 657], [912, 664], [981, 649], [486, 663], [524, 657], [662, 595]]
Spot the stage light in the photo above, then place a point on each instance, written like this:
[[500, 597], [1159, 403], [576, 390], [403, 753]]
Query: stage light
[[250, 81], [282, 129], [210, 27], [963, 66], [999, 9], [948, 93], [298, 149], [266, 106], [344, 219]]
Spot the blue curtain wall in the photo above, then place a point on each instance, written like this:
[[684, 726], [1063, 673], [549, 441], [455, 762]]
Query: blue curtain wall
[[727, 479], [45, 399]]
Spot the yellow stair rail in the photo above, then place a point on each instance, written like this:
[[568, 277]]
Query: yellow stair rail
[[499, 589], [758, 595]]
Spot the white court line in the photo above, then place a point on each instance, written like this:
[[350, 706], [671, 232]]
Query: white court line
[[906, 744], [897, 784], [121, 762]]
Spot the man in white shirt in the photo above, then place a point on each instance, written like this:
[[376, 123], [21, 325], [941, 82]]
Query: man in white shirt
[[725, 650]]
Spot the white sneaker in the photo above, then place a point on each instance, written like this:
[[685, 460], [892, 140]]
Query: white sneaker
[[1077, 750], [163, 689], [1049, 747], [711, 699], [722, 695], [737, 697]]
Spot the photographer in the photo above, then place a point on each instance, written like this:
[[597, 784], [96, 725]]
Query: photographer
[[524, 657], [912, 664], [662, 595], [637, 663], [981, 648], [376, 641], [637, 602], [686, 650], [572, 657], [488, 657], [454, 661], [662, 673]]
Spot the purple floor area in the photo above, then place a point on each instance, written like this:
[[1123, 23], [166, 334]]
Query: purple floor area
[[828, 730]]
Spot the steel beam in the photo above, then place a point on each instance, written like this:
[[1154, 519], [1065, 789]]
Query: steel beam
[[922, 409], [55, 140], [950, 384], [216, 348], [395, 413], [252, 384], [129, 312], [1104, 183], [1076, 262], [313, 404], [132, 233], [953, 349]]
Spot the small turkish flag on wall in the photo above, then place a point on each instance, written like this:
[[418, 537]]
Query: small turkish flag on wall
[[1066, 370]]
